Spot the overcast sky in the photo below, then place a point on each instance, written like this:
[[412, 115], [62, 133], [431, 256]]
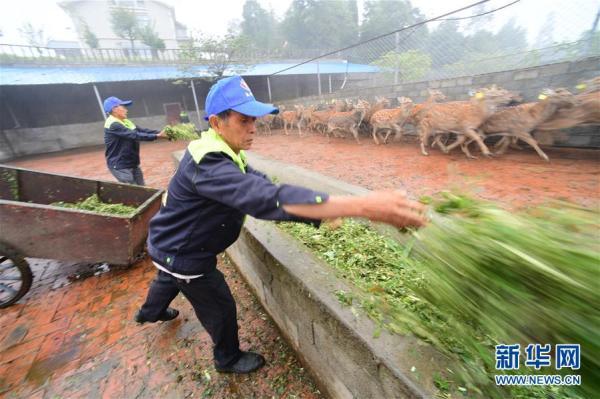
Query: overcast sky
[[212, 17]]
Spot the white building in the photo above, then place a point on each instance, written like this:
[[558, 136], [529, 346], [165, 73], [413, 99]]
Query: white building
[[96, 15]]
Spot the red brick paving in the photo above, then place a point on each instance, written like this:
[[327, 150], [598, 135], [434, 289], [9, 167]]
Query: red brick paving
[[76, 339], [518, 178]]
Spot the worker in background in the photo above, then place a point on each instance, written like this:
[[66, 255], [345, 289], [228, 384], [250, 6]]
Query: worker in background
[[204, 208], [122, 137]]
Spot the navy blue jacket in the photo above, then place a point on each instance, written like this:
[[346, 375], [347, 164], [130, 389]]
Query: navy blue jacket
[[122, 143], [205, 208]]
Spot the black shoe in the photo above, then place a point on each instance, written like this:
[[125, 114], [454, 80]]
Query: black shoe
[[247, 363], [168, 314]]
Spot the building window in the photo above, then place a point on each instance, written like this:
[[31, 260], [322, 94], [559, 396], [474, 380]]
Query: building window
[[143, 20]]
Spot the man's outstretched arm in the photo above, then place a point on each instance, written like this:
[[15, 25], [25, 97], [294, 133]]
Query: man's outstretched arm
[[390, 207]]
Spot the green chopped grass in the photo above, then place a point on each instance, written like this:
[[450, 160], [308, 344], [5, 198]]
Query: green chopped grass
[[182, 131], [94, 204], [478, 276]]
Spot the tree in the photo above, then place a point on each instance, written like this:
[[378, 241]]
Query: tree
[[482, 41], [260, 26], [412, 65], [89, 37], [381, 17], [218, 54], [511, 36], [479, 22], [125, 25], [151, 39], [321, 24], [446, 44], [33, 36], [545, 37]]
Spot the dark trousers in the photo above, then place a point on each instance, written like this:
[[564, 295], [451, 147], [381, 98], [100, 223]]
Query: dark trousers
[[214, 306], [129, 176]]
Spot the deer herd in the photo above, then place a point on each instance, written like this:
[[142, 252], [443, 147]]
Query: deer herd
[[491, 114]]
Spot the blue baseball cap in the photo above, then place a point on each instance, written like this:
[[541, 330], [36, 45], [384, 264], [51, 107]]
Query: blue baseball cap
[[233, 93], [112, 102]]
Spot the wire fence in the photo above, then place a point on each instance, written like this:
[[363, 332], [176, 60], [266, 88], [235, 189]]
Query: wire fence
[[485, 38]]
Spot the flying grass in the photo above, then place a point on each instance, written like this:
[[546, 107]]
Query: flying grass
[[182, 131], [478, 276], [94, 204]]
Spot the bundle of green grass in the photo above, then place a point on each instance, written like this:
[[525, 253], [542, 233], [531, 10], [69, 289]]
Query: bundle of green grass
[[181, 131], [94, 203], [516, 277], [477, 276]]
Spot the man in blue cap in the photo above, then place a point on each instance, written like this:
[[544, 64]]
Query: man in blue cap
[[204, 208], [122, 137]]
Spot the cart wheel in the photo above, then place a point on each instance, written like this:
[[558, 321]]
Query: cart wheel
[[15, 276]]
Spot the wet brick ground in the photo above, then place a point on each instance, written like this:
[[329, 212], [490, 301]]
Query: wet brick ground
[[76, 339]]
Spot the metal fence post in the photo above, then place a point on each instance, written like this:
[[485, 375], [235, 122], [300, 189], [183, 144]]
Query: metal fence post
[[99, 101], [269, 89], [319, 77], [396, 55], [196, 101]]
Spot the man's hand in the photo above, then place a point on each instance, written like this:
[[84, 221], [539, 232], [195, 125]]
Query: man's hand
[[162, 135], [392, 207]]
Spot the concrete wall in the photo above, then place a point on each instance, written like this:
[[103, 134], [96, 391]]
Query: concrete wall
[[529, 82], [16, 143], [341, 346]]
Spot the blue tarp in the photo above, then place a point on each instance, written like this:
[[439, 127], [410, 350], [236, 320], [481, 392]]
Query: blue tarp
[[39, 75]]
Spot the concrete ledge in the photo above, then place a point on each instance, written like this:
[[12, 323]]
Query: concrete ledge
[[336, 343]]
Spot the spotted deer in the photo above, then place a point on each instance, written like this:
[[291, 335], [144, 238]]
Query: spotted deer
[[585, 110], [435, 96], [519, 121], [391, 120], [347, 121], [291, 118], [461, 117], [263, 124]]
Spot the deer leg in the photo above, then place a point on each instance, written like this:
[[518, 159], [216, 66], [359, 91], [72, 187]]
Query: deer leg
[[354, 131], [387, 134], [500, 142], [437, 141], [472, 133], [327, 131], [526, 137], [424, 136], [514, 144], [400, 131], [460, 139], [465, 149], [502, 145], [397, 129], [374, 132]]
